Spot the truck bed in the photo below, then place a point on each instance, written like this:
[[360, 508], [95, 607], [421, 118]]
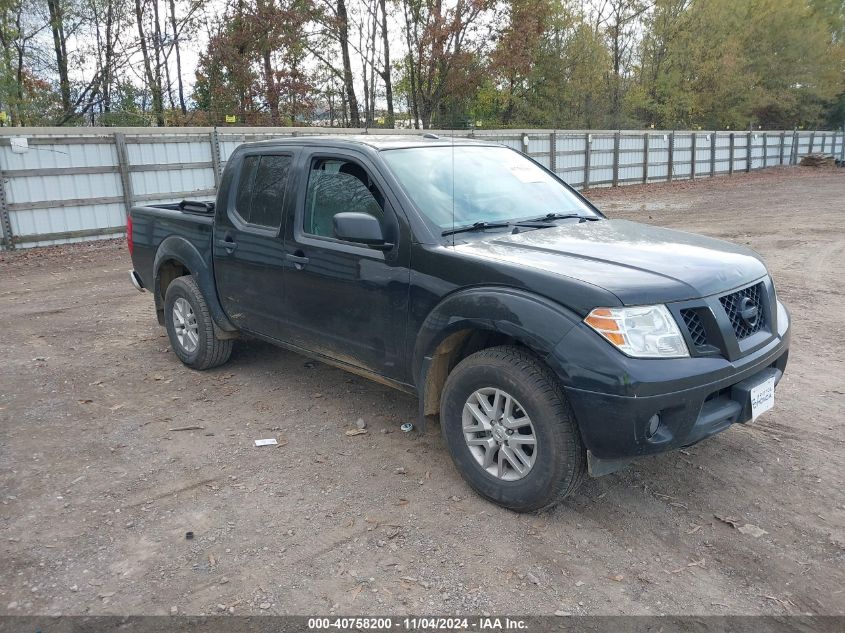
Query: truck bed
[[153, 224]]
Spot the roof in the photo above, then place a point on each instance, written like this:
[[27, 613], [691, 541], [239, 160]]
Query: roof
[[375, 141]]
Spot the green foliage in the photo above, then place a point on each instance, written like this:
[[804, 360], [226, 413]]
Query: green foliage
[[126, 107], [570, 79], [254, 64], [698, 63]]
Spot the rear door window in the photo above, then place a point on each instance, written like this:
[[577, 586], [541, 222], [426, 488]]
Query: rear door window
[[261, 190], [268, 192], [245, 183]]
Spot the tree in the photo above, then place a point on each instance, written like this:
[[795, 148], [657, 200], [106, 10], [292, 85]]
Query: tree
[[174, 25], [333, 19], [795, 38], [650, 99], [342, 20], [16, 36], [365, 22], [57, 26], [445, 44], [256, 57], [774, 63], [619, 20], [106, 39], [567, 67], [518, 48], [153, 80], [384, 73]]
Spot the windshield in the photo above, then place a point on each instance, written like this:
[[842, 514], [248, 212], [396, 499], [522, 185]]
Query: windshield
[[486, 184]]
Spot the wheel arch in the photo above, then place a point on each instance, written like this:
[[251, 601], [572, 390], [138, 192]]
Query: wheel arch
[[474, 319], [177, 257]]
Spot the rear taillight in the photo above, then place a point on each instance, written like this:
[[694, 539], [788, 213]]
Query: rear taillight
[[129, 243]]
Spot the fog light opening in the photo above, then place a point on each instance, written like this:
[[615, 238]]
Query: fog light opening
[[653, 425]]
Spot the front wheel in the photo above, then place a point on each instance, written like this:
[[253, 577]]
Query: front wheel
[[189, 326], [510, 430]]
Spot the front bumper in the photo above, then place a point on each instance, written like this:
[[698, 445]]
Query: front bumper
[[614, 397]]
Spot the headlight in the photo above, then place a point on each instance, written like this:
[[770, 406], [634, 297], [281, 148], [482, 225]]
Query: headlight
[[642, 331]]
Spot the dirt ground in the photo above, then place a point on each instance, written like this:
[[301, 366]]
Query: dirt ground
[[98, 490]]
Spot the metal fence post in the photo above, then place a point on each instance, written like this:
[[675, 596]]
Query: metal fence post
[[588, 149], [731, 147], [645, 157], [693, 144], [842, 149], [812, 141], [713, 153], [765, 150], [824, 138], [670, 167], [748, 154], [616, 137], [732, 151], [214, 140], [782, 139], [793, 150], [123, 167], [8, 241], [553, 152]]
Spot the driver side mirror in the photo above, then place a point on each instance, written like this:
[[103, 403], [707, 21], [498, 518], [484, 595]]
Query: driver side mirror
[[361, 228]]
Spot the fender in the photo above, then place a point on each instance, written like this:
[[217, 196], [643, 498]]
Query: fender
[[536, 322], [181, 250]]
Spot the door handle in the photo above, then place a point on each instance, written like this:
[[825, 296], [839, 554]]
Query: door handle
[[229, 245], [299, 260]]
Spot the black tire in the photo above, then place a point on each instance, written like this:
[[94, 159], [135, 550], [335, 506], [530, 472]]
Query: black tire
[[560, 460], [210, 351]]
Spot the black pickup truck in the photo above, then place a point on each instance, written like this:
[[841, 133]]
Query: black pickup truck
[[550, 340]]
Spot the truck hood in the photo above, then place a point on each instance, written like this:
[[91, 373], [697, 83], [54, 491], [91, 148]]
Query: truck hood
[[638, 263]]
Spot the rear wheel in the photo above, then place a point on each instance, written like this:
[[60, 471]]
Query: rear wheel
[[190, 328], [510, 430]]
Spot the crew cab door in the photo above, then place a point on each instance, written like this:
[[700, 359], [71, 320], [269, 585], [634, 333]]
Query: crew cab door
[[248, 242], [346, 300]]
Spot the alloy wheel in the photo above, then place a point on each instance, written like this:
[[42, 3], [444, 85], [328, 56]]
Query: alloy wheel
[[185, 325], [499, 434]]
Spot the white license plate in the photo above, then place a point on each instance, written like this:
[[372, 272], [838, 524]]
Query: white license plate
[[762, 397]]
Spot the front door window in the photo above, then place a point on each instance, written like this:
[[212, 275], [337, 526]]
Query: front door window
[[338, 186]]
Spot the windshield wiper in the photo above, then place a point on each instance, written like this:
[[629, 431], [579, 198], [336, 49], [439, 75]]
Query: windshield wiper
[[475, 226], [561, 216]]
